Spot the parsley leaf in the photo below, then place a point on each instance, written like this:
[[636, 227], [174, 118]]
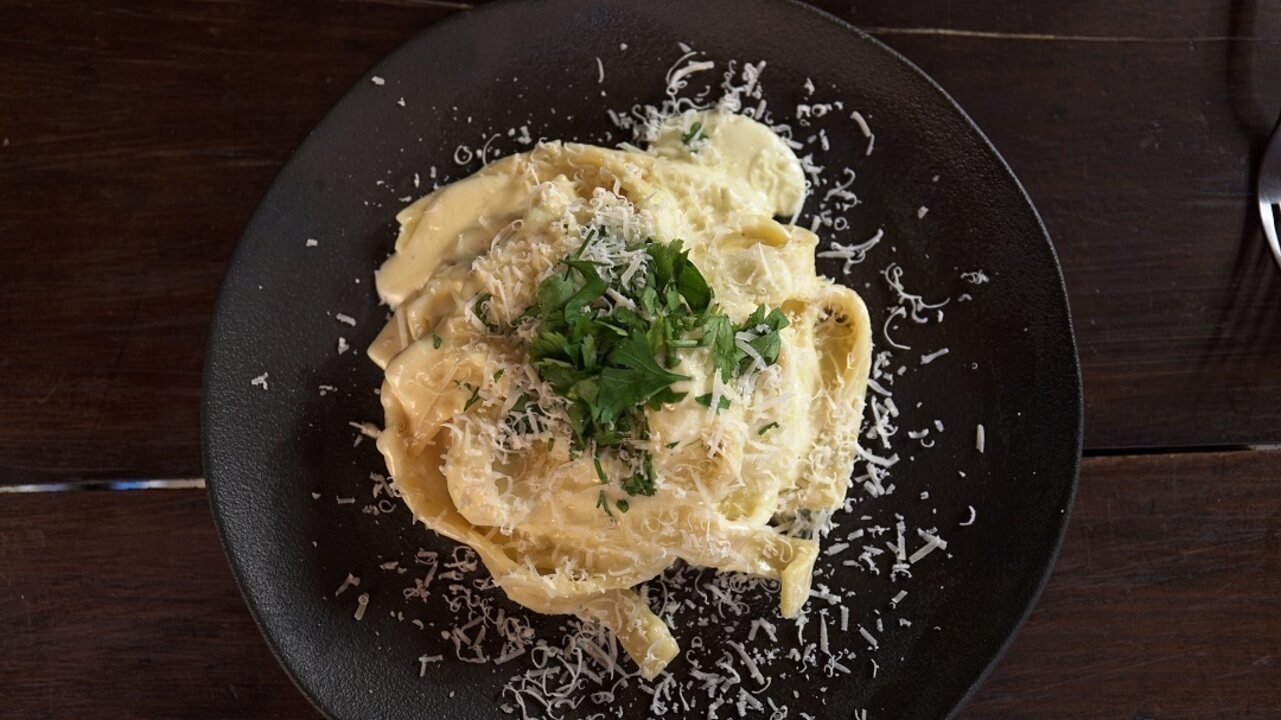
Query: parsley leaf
[[481, 309], [642, 483], [718, 333], [767, 342], [593, 288], [553, 293], [693, 287], [631, 378], [475, 395], [694, 133], [603, 502], [706, 401]]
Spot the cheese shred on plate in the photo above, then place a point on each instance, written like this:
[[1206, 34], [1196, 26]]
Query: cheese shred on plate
[[604, 361]]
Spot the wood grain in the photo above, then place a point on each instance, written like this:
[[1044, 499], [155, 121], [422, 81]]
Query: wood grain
[[1164, 601], [137, 140], [1163, 604], [120, 605]]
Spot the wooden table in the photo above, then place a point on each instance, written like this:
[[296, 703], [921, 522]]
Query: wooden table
[[135, 140]]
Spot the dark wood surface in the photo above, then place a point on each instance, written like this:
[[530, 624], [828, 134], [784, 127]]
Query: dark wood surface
[[136, 139], [1164, 604], [139, 137]]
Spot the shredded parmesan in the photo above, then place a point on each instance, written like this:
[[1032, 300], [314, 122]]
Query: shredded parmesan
[[583, 672], [927, 359], [351, 581], [859, 120], [852, 254]]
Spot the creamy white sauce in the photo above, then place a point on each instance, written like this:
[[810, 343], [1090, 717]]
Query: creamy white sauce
[[720, 183]]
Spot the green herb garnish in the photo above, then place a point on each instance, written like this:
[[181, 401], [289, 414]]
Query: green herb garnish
[[694, 134], [612, 360], [642, 483], [481, 308], [603, 503], [706, 401], [767, 342], [767, 428], [475, 395], [435, 341]]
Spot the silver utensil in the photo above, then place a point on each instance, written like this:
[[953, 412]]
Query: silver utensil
[[1268, 187]]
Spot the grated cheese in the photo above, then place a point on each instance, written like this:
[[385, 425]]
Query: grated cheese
[[581, 673], [871, 641], [852, 254], [351, 581], [859, 120]]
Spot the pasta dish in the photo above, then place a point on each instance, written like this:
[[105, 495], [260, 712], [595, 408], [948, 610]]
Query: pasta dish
[[604, 361]]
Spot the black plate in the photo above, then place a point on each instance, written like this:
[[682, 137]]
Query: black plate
[[1012, 365]]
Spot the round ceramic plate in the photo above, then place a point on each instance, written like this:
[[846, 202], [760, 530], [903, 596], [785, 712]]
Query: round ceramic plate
[[290, 477]]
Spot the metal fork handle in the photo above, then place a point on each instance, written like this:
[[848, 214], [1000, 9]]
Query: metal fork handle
[[1267, 215]]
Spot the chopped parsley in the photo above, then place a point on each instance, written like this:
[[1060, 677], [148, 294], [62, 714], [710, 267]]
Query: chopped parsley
[[767, 428], [706, 401], [694, 134], [603, 503], [761, 326], [613, 359], [481, 309], [435, 341], [475, 395], [642, 483]]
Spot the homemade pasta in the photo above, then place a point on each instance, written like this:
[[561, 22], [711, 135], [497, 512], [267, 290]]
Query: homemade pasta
[[602, 361]]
